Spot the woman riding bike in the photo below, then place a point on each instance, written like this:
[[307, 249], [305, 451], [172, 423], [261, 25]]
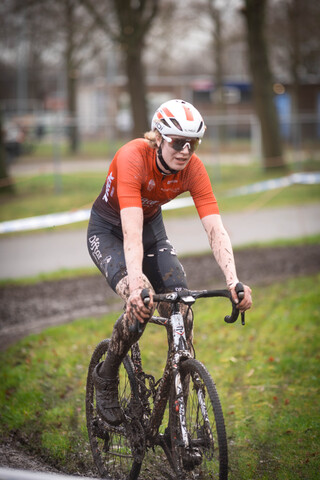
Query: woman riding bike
[[127, 238]]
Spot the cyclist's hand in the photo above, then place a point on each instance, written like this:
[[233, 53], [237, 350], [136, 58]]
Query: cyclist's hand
[[246, 302], [136, 309]]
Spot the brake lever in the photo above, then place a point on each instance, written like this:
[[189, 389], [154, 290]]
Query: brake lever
[[240, 292]]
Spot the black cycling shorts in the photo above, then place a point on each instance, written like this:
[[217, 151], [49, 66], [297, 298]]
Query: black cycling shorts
[[160, 263]]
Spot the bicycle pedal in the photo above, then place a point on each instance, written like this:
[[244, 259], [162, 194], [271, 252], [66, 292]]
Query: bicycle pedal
[[99, 431], [191, 458]]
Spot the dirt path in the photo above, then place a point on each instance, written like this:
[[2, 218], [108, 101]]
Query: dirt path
[[29, 309]]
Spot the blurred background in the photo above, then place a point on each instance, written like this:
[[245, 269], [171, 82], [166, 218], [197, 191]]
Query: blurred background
[[86, 76], [78, 79]]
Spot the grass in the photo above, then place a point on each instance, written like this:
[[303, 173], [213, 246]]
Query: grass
[[38, 196], [94, 148], [43, 194], [266, 374], [54, 276]]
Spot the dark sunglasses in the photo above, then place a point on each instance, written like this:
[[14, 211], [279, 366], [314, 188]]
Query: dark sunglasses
[[179, 144]]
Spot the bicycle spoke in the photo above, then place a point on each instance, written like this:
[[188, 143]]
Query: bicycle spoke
[[206, 458], [113, 452]]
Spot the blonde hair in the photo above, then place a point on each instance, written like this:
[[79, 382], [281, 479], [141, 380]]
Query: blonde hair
[[152, 136]]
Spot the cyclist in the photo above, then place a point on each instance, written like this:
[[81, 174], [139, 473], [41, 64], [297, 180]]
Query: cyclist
[[127, 239]]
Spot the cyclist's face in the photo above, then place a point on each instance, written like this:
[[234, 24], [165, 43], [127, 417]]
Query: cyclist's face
[[177, 160]]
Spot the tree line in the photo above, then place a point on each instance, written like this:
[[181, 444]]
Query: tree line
[[73, 33]]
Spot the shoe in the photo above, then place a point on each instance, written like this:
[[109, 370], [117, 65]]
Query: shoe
[[107, 398]]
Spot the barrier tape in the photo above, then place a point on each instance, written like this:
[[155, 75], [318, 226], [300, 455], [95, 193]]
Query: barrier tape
[[295, 178], [11, 474], [65, 218]]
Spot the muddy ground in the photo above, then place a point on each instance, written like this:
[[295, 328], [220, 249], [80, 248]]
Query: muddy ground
[[29, 309]]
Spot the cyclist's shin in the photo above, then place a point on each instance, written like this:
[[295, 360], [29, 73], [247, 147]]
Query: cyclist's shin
[[120, 343]]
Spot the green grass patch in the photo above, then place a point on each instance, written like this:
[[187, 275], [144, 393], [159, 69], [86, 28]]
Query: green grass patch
[[266, 373], [39, 195], [283, 242], [94, 148], [52, 276], [48, 193]]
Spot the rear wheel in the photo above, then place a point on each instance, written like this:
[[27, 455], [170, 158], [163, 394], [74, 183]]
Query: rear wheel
[[117, 451], [207, 457]]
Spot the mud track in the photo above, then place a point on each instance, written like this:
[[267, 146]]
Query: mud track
[[29, 309]]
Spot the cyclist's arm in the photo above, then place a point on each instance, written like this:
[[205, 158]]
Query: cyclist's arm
[[222, 250], [132, 226], [132, 222], [221, 247]]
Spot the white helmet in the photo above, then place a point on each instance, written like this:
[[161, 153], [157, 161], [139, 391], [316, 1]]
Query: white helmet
[[177, 117]]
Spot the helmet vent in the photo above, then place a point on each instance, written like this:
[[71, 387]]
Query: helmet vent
[[176, 123], [200, 126], [165, 122]]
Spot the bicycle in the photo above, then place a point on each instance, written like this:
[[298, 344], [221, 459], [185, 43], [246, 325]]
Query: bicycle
[[180, 413]]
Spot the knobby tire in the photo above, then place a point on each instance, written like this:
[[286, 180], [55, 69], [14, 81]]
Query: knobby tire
[[112, 452], [208, 456]]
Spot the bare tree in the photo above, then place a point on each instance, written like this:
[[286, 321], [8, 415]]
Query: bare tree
[[69, 36], [215, 15], [254, 13], [127, 23], [295, 26], [5, 184]]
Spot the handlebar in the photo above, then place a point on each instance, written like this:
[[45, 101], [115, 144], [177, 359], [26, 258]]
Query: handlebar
[[188, 297]]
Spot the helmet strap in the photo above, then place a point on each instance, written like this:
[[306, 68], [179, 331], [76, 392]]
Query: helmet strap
[[164, 164]]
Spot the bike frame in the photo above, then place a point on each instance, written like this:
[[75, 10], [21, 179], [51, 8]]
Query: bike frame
[[145, 406], [178, 350]]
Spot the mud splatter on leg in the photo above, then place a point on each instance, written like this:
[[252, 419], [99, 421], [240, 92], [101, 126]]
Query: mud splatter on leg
[[122, 338]]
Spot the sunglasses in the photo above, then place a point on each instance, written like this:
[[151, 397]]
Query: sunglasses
[[179, 144]]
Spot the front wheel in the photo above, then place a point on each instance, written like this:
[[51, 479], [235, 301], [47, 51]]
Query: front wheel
[[207, 455], [115, 454]]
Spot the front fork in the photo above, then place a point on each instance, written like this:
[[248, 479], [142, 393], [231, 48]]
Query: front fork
[[179, 406], [180, 351]]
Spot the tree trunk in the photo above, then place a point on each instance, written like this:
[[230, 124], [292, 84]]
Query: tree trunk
[[133, 21], [137, 91], [5, 183], [219, 72], [73, 133], [71, 79], [254, 12], [294, 15]]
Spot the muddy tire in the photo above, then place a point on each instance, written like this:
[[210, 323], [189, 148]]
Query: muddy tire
[[208, 455], [114, 455]]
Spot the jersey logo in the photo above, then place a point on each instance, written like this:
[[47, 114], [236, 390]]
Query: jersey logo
[[108, 186], [94, 247], [151, 185]]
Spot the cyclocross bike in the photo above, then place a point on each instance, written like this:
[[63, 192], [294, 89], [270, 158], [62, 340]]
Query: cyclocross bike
[[172, 428]]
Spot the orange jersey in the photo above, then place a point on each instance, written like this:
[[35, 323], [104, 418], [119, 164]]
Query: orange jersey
[[134, 180]]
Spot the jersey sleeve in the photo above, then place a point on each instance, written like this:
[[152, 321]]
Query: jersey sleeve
[[129, 176], [201, 190]]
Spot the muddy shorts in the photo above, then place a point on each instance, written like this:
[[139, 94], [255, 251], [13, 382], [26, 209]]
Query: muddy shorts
[[160, 263]]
